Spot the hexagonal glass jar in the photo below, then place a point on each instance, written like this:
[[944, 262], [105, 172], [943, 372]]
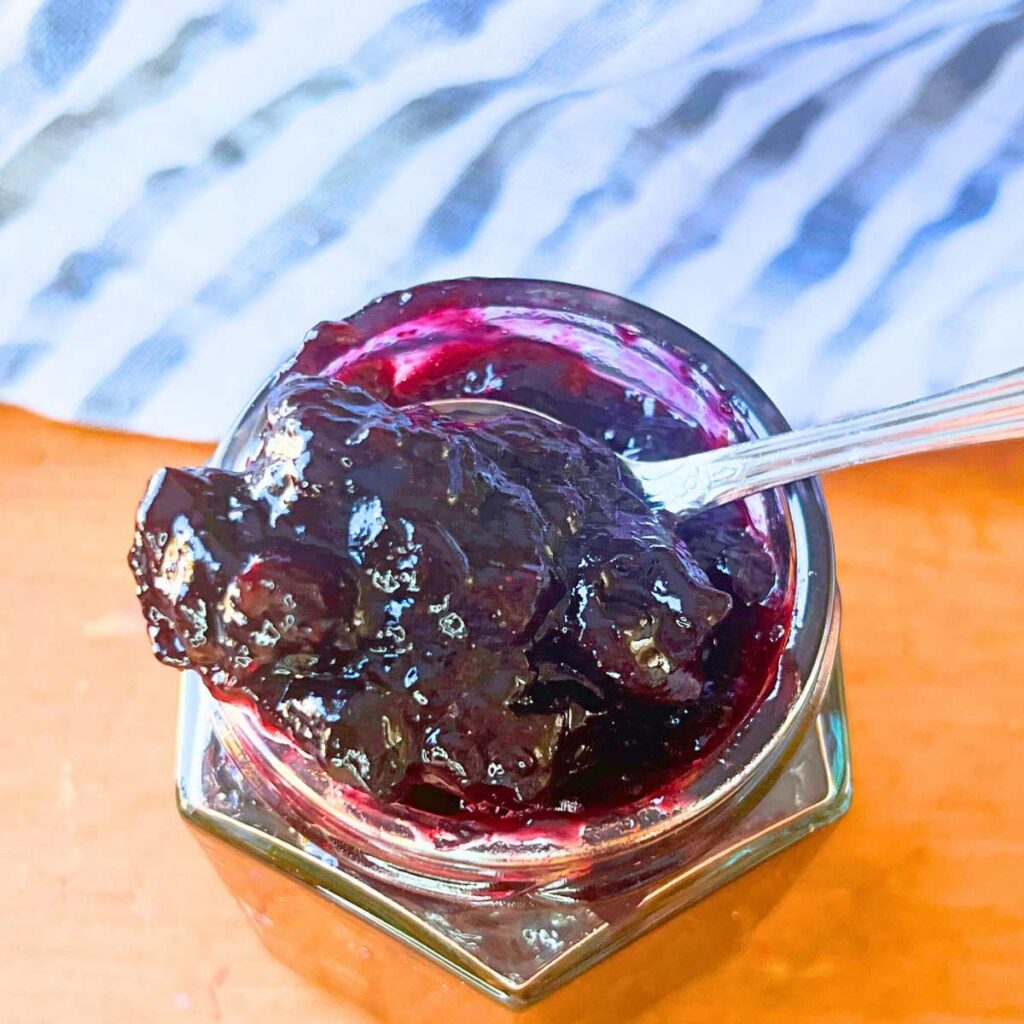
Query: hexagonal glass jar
[[389, 914]]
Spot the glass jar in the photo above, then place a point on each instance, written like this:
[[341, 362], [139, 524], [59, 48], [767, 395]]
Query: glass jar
[[362, 896]]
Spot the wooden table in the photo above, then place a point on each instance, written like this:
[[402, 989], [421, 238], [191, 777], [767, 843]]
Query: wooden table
[[910, 909]]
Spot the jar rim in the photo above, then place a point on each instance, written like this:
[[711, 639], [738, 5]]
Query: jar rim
[[747, 758]]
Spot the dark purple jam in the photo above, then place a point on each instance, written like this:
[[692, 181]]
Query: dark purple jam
[[465, 616]]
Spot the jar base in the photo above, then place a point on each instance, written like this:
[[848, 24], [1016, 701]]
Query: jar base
[[363, 940]]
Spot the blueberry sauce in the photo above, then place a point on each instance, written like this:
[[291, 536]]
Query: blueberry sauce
[[469, 617]]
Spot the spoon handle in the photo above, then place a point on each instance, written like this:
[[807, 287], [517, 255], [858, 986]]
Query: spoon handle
[[987, 410]]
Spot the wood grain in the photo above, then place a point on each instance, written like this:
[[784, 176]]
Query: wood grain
[[910, 909]]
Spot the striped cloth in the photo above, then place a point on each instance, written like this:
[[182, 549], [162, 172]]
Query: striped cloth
[[831, 190]]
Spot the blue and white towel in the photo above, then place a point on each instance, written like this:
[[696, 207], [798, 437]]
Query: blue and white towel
[[831, 190]]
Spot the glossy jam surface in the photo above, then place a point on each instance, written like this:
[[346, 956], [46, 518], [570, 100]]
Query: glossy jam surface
[[467, 616]]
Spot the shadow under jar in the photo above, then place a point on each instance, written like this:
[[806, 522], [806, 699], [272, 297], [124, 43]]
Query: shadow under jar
[[363, 895]]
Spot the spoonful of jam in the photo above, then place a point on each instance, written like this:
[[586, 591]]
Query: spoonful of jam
[[449, 612]]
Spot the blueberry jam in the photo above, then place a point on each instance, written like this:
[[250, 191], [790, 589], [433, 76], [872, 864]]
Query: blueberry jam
[[467, 616]]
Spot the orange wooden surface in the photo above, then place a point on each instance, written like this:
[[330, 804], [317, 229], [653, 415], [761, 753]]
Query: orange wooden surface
[[910, 909]]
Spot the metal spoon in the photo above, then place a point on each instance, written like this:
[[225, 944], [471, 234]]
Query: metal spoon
[[987, 410]]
